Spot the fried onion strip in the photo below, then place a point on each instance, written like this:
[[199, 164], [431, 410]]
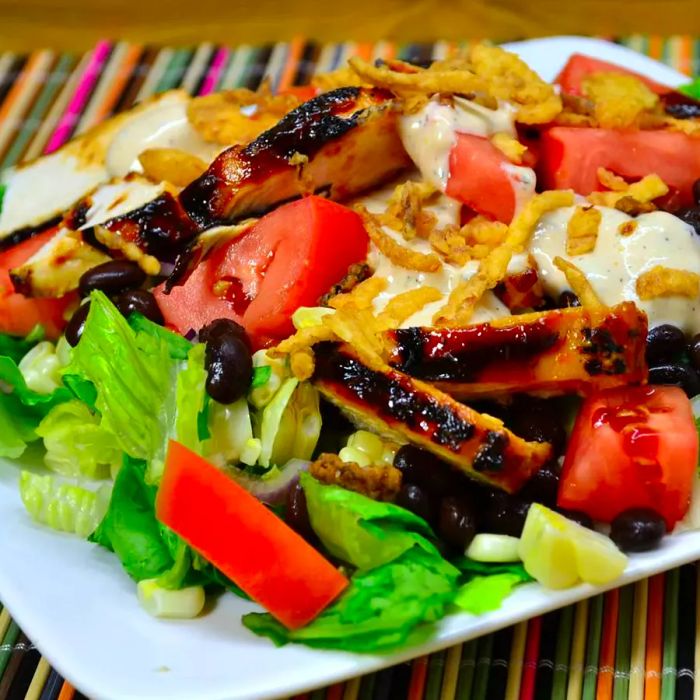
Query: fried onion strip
[[579, 284]]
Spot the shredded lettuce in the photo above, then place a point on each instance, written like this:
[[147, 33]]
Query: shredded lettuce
[[76, 442], [261, 376], [178, 347], [41, 368]]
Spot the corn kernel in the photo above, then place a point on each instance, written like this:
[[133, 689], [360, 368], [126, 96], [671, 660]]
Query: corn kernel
[[367, 442], [352, 454]]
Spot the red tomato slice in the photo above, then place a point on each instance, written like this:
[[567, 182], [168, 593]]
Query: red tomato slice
[[19, 314], [235, 532], [290, 258], [633, 447], [570, 158], [580, 66], [480, 178]]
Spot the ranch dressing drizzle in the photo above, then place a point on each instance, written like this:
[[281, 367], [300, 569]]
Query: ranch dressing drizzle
[[617, 261], [445, 280], [429, 135]]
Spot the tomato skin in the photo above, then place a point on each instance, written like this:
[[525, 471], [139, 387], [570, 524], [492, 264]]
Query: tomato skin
[[571, 156], [301, 92], [241, 537], [19, 314], [580, 66], [632, 447], [290, 258], [480, 179]]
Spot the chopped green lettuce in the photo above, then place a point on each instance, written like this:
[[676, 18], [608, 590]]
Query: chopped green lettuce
[[359, 530], [133, 375], [76, 442], [178, 347], [485, 593], [383, 609], [261, 376], [692, 89], [21, 409], [16, 348], [401, 586]]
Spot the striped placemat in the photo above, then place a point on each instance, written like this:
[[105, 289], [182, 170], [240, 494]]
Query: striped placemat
[[641, 642]]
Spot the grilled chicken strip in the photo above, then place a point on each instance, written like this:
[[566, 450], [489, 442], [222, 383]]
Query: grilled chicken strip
[[341, 142], [405, 409], [576, 350]]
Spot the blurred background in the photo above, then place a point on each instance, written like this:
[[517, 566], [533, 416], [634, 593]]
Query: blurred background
[[77, 24]]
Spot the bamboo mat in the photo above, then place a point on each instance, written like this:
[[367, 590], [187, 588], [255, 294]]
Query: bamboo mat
[[641, 642]]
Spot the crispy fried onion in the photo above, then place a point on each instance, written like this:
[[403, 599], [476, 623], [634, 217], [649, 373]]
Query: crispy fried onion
[[618, 100], [492, 269], [405, 211], [392, 249], [473, 241], [663, 281], [511, 148], [341, 77], [404, 305], [238, 116], [485, 71], [171, 165], [646, 190], [582, 231], [579, 284]]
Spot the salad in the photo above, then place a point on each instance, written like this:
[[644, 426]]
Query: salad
[[367, 352]]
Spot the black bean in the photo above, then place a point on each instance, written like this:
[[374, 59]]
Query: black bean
[[664, 343], [694, 350], [578, 517], [696, 191], [538, 421], [112, 278], [676, 375], [503, 514], [691, 215], [222, 327], [139, 301], [75, 326], [542, 486], [229, 368], [415, 499], [637, 529], [457, 522], [567, 299], [297, 513], [421, 467]]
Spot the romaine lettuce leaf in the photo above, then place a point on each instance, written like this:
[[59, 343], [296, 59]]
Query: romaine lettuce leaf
[[76, 442], [21, 409], [178, 347], [360, 531], [384, 608], [692, 89], [485, 593], [133, 375]]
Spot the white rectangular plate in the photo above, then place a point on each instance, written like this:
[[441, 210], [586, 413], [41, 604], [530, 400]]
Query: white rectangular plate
[[80, 609]]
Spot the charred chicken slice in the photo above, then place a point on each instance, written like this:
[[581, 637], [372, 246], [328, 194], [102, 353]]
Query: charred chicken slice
[[405, 409], [552, 352], [341, 142]]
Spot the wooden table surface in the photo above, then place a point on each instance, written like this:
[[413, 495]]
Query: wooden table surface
[[77, 24]]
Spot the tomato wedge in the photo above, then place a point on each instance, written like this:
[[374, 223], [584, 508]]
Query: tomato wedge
[[570, 158], [19, 314], [290, 258], [580, 66], [632, 447], [235, 532], [484, 179]]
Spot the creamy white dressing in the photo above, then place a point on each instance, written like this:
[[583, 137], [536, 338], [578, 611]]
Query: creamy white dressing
[[121, 197], [45, 188], [161, 124], [400, 279], [617, 261], [429, 135]]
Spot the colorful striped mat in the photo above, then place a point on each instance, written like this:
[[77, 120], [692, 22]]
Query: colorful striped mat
[[637, 643]]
